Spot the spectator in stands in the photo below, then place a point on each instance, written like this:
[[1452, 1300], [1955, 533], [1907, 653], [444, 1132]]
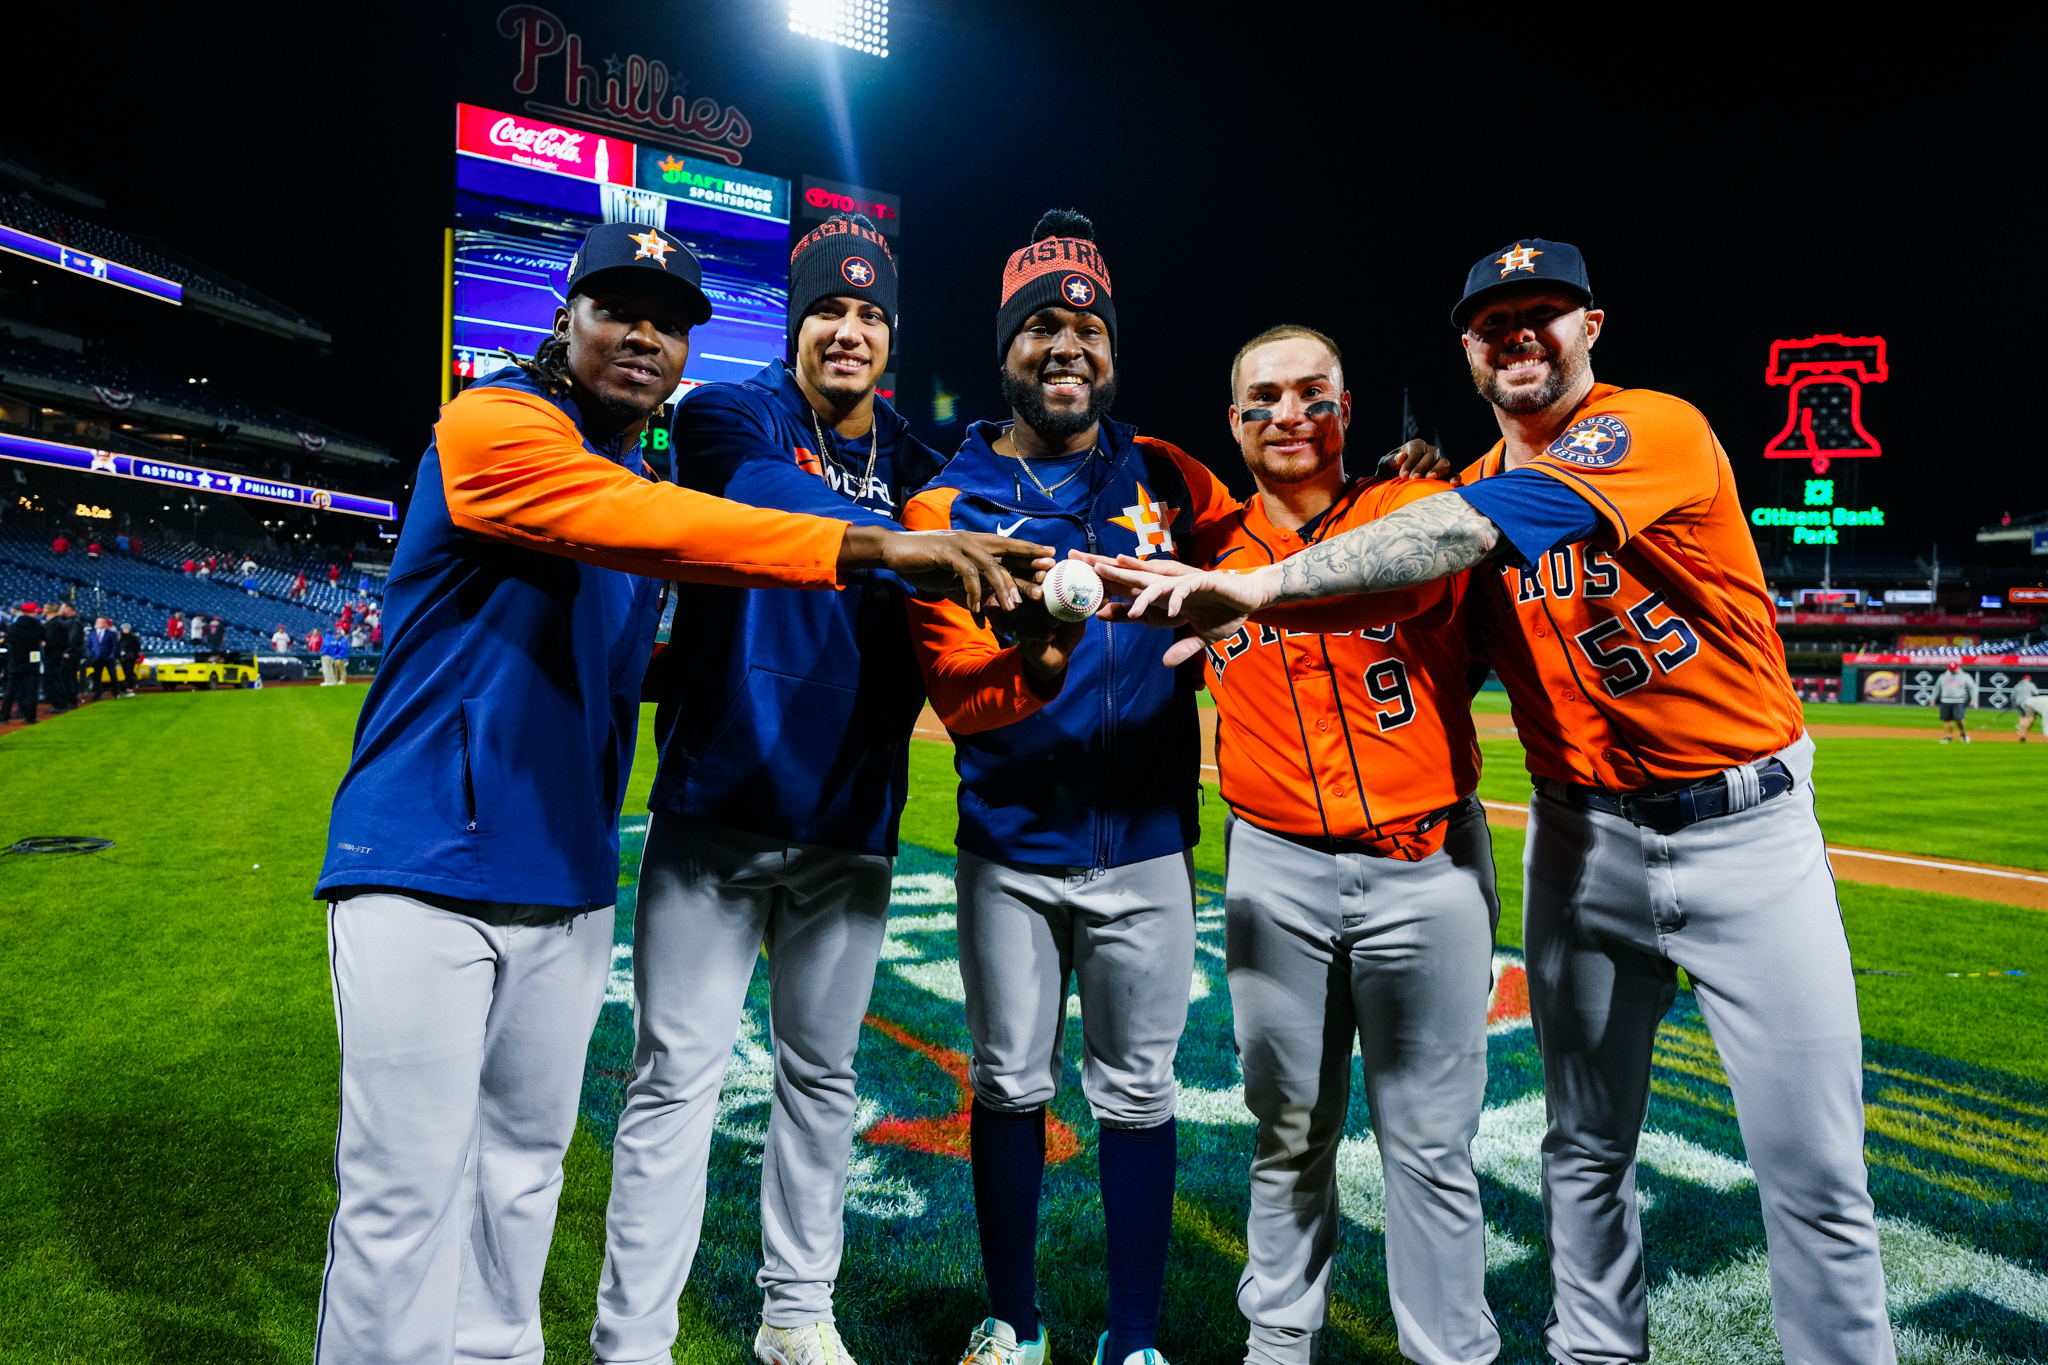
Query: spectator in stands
[[130, 652], [333, 574], [299, 585], [191, 566], [212, 563], [121, 543], [217, 636], [377, 636], [63, 654], [249, 567], [280, 639], [205, 569], [195, 634], [61, 545], [359, 638], [102, 655], [134, 546], [92, 549], [314, 640], [249, 584], [334, 659], [174, 629], [26, 641]]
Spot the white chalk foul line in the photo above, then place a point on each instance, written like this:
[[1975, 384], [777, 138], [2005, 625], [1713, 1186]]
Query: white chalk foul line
[[1859, 853]]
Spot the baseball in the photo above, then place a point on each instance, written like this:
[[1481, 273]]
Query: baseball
[[1072, 591]]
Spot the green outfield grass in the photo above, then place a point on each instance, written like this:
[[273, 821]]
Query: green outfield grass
[[167, 1073]]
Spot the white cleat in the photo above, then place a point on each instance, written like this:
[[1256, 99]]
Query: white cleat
[[1147, 1356], [995, 1343], [814, 1343]]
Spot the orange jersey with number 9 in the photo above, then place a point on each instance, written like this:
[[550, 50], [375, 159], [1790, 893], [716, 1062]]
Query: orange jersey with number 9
[[1647, 655]]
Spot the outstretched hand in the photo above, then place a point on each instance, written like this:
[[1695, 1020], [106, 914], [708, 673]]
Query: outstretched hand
[[1416, 459], [977, 570], [1211, 604]]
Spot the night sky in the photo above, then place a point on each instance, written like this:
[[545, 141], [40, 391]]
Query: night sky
[[1729, 187]]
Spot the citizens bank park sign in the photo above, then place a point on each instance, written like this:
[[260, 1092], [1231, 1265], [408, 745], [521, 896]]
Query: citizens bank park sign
[[57, 455]]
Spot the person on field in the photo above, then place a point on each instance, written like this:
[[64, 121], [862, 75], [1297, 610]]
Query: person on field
[[1673, 779], [784, 724], [2024, 695], [334, 658], [130, 653], [26, 652], [473, 850], [102, 654], [1955, 693]]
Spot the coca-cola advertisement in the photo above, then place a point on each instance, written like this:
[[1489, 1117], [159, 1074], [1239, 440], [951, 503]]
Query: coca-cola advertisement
[[543, 146]]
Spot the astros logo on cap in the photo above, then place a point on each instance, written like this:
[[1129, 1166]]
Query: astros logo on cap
[[1078, 291], [1521, 258], [1595, 443], [651, 244], [858, 272]]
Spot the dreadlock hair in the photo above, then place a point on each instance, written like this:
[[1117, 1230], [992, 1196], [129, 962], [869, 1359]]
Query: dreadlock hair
[[549, 367]]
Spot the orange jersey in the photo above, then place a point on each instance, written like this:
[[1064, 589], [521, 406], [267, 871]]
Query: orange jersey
[[1359, 734], [1649, 654]]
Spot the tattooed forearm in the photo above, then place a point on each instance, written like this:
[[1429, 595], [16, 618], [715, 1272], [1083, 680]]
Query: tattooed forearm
[[1425, 540]]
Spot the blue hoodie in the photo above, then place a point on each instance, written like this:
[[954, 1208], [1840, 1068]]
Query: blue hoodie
[[1107, 772], [790, 714], [492, 751]]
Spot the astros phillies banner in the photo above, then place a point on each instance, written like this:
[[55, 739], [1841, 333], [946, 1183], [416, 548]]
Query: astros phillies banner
[[29, 450]]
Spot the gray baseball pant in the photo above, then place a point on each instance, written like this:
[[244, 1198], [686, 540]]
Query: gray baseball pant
[[1125, 936], [1322, 948], [1745, 903], [711, 898], [462, 1049]]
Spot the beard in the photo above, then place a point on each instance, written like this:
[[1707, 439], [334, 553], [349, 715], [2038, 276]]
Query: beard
[[1566, 369], [1021, 393]]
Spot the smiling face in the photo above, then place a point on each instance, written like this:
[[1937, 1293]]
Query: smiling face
[[626, 349], [1291, 411], [1059, 376], [842, 348], [1529, 348]]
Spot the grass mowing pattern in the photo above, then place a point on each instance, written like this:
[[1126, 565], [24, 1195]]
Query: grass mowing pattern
[[167, 1075]]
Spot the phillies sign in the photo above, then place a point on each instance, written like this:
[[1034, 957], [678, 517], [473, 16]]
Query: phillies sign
[[543, 146], [631, 98]]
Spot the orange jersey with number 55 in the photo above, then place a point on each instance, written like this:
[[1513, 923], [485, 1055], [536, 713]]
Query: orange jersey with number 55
[[1647, 655]]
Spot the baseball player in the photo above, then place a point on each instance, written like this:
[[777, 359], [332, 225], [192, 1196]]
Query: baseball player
[[784, 768], [1954, 693], [473, 850], [1078, 752], [1360, 892], [1672, 823], [2030, 703]]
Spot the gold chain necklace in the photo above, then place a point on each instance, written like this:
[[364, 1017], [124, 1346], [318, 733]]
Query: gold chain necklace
[[1032, 474]]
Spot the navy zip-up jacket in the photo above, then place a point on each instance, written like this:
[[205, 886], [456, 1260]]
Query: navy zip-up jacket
[[492, 751], [789, 714], [1107, 772]]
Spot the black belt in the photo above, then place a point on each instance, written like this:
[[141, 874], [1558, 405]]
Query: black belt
[[1706, 799], [1325, 843]]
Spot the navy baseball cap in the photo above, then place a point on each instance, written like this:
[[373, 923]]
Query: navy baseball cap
[[640, 256], [1526, 260]]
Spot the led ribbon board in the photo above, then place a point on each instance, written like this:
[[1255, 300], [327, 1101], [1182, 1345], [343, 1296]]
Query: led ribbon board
[[1824, 376], [91, 266], [28, 450]]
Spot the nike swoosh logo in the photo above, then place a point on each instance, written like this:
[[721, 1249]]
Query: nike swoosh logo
[[1011, 529], [1225, 555]]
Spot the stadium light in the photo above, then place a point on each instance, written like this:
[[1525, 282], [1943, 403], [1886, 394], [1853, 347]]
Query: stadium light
[[862, 25]]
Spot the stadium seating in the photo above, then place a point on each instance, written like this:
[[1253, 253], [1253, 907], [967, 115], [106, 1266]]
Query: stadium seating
[[145, 593], [26, 214]]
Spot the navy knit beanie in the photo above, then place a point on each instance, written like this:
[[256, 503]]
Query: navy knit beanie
[[843, 257], [1060, 269]]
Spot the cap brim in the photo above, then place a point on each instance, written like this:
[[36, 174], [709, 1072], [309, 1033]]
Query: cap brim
[[1470, 304], [639, 278]]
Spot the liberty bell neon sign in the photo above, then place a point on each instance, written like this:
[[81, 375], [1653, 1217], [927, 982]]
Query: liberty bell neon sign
[[1825, 376]]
